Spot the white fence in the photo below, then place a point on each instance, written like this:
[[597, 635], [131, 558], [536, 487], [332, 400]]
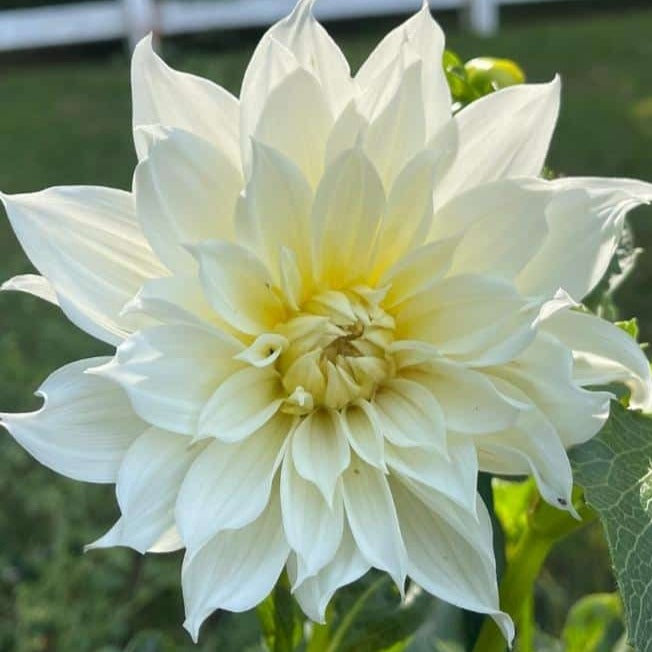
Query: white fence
[[104, 20]]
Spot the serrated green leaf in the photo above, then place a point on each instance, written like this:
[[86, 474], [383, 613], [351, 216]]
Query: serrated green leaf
[[614, 468]]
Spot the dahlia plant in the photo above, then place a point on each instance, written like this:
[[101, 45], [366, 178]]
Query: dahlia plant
[[334, 302]]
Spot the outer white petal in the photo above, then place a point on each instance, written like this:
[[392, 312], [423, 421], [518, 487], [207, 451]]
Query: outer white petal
[[165, 96], [320, 452], [372, 516], [502, 135], [470, 402], [531, 446], [84, 427], [87, 243], [472, 318], [169, 372], [186, 191], [544, 373], [348, 208], [316, 51], [238, 286], [312, 527], [501, 226], [314, 593], [454, 475], [244, 402], [33, 284], [603, 353], [236, 569], [278, 205], [426, 40], [296, 120], [228, 486], [147, 486], [585, 222], [408, 415], [453, 563]]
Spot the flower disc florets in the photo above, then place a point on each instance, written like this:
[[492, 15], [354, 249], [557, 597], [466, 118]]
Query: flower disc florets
[[336, 350], [333, 302]]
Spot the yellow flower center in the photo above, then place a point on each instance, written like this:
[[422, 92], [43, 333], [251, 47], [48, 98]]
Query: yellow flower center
[[337, 350]]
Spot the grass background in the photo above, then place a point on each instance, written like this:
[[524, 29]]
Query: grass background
[[65, 120]]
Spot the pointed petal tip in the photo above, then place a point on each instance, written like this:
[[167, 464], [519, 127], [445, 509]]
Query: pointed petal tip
[[191, 626]]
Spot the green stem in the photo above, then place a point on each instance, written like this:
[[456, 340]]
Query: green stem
[[545, 527], [352, 614], [277, 618]]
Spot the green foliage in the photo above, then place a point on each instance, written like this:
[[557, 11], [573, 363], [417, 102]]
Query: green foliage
[[594, 624], [614, 470], [480, 76]]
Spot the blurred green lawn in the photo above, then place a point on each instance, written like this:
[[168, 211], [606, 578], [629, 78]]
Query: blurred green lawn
[[69, 123]]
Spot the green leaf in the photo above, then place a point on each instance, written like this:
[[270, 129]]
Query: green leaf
[[594, 624], [383, 620], [614, 470]]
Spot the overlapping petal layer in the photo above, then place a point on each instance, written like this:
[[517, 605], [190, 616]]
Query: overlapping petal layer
[[333, 303]]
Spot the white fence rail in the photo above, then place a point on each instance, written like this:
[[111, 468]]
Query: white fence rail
[[102, 20]]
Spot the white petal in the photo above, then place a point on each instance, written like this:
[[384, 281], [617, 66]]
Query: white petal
[[585, 222], [372, 516], [147, 487], [320, 452], [363, 435], [278, 205], [236, 569], [426, 40], [502, 135], [469, 400], [165, 96], [454, 476], [398, 132], [269, 65], [501, 225], [229, 485], [33, 284], [87, 243], [348, 208], [84, 427], [409, 415], [409, 203], [454, 566], [312, 527], [170, 372], [238, 286], [419, 269], [244, 402], [296, 120], [174, 300], [544, 373], [473, 318], [531, 446], [346, 132], [314, 593], [316, 51], [603, 353], [186, 191]]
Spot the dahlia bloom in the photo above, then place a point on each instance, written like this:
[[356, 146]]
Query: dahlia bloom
[[333, 302]]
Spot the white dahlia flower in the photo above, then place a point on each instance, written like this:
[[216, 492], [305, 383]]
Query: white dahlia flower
[[333, 303]]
